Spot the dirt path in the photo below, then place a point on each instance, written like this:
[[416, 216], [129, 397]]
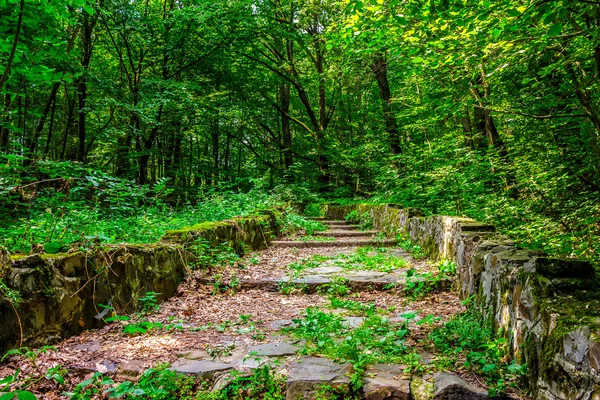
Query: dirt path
[[245, 315]]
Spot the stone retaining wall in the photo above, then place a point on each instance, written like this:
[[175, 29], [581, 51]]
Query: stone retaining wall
[[61, 293], [547, 308]]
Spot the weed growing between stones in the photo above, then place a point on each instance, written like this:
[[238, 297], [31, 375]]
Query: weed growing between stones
[[289, 288], [363, 258], [421, 284], [351, 305], [160, 383], [415, 251], [317, 238], [11, 295], [375, 340], [337, 287], [470, 336]]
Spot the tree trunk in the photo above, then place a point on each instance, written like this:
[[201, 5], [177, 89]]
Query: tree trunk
[[70, 109], [325, 177], [50, 128], [285, 99], [379, 68], [215, 136], [4, 132], [88, 26]]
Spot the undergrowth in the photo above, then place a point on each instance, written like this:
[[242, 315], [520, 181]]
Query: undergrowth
[[160, 383], [363, 258], [470, 337], [376, 340]]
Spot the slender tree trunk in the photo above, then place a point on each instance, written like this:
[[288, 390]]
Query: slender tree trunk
[[70, 109], [146, 148], [325, 177], [483, 118], [379, 68], [4, 131], [88, 26], [215, 136], [470, 141], [42, 121], [227, 146], [177, 153], [285, 99], [13, 50]]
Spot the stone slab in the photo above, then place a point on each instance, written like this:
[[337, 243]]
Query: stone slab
[[202, 368], [451, 387], [275, 349], [353, 322], [324, 270], [308, 374], [384, 382], [193, 354]]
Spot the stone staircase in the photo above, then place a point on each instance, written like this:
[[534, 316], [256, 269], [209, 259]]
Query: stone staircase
[[338, 234], [310, 268]]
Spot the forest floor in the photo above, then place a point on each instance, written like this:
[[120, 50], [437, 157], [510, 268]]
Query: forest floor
[[291, 308]]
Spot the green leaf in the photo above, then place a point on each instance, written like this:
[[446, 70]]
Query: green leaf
[[118, 318], [53, 247], [25, 395], [549, 18], [496, 33], [555, 30], [7, 396], [88, 9]]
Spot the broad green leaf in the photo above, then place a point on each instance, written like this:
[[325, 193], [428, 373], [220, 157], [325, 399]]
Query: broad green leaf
[[555, 30], [25, 395], [53, 247]]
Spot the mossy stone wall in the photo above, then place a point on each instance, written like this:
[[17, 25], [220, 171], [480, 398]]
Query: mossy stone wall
[[60, 294], [547, 308]]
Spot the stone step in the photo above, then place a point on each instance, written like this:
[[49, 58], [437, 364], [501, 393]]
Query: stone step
[[334, 222], [346, 233], [344, 227], [356, 281], [349, 242], [310, 375]]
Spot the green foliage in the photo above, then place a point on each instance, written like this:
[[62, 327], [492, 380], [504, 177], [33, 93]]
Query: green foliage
[[376, 340], [351, 305], [313, 210], [317, 238], [149, 302], [338, 286], [141, 327], [293, 223], [472, 336], [10, 294], [206, 255], [415, 251], [15, 386], [363, 258], [64, 205], [160, 383], [364, 220], [420, 284]]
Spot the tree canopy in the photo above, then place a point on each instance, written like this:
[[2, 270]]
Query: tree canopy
[[479, 108]]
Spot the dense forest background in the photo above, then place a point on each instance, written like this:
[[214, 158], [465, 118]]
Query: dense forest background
[[120, 119]]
